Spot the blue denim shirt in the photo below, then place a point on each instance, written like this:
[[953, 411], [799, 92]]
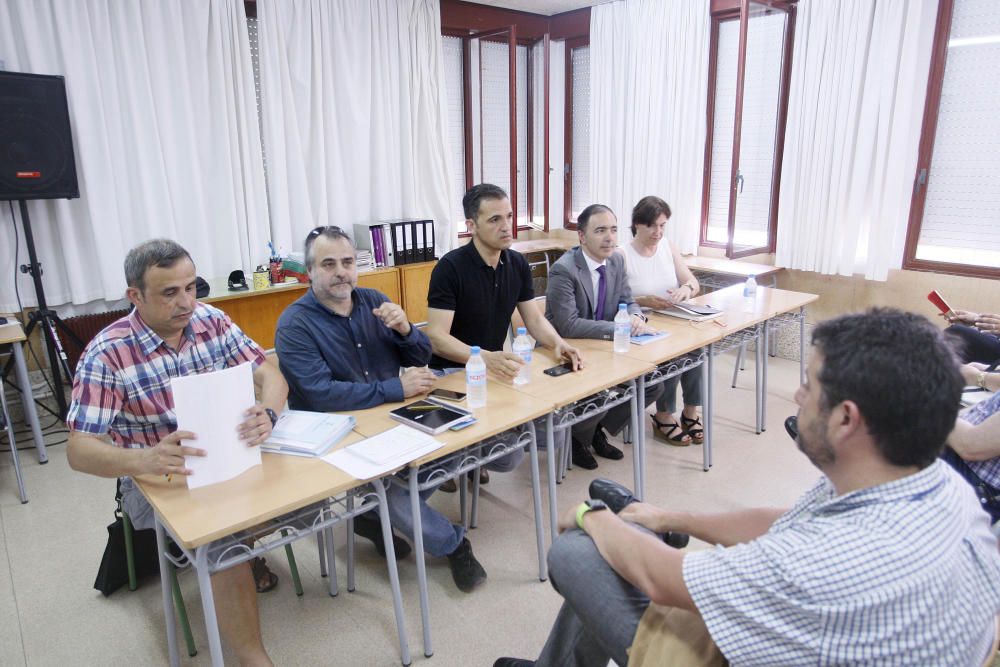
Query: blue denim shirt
[[344, 363]]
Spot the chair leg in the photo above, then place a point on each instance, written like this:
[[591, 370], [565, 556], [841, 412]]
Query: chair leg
[[129, 552], [182, 612], [292, 566], [739, 363], [320, 541]]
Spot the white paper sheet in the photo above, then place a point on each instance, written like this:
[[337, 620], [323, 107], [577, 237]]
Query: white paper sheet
[[409, 444], [212, 406]]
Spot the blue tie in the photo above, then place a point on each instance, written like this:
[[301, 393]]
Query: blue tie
[[602, 288]]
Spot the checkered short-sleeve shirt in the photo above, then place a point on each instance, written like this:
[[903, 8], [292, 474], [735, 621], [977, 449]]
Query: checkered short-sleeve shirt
[[122, 383], [903, 573], [988, 470]]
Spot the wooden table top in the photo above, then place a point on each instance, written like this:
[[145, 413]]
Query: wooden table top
[[11, 331], [541, 245], [505, 409], [602, 369], [730, 267], [281, 484]]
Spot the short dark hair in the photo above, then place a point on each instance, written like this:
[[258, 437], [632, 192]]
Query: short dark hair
[[476, 194], [331, 232], [647, 210], [583, 219], [901, 373], [161, 253]]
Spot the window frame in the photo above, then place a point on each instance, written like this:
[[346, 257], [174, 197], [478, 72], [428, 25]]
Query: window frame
[[718, 16], [571, 44], [928, 135]]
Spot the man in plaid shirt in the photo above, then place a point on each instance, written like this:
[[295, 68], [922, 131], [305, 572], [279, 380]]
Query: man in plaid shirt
[[122, 390], [888, 559]]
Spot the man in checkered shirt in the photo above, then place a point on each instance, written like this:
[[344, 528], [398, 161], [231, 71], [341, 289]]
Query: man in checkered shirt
[[888, 559], [122, 391]]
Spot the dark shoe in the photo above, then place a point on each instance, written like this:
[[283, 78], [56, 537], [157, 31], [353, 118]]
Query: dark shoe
[[604, 448], [371, 529], [693, 428], [465, 569], [263, 578], [449, 486], [681, 439], [617, 497], [582, 458], [513, 662]]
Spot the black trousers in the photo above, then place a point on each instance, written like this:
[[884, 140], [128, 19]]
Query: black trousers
[[971, 344]]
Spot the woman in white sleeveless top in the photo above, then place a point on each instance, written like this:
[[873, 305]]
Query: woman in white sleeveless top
[[659, 277]]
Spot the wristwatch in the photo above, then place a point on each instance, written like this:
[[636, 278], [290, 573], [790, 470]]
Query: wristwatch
[[272, 415], [981, 380], [591, 505]]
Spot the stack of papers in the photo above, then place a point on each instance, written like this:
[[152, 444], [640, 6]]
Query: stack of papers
[[973, 395], [302, 433], [386, 451], [646, 338], [690, 311]]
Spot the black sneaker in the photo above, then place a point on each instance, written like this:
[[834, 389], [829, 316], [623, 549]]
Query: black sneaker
[[582, 458], [371, 529], [604, 448], [513, 662], [465, 569]]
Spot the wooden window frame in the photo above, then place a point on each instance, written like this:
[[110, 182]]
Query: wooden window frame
[[928, 134], [719, 15], [571, 44]]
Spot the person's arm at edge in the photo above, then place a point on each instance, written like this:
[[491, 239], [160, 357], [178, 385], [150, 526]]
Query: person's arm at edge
[[641, 559], [685, 276], [272, 384], [725, 528], [979, 442]]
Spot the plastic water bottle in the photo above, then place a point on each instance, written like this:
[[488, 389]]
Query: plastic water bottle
[[750, 287], [522, 347], [623, 329], [475, 379]]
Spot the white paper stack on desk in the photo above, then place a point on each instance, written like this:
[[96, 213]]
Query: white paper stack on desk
[[302, 433], [381, 453]]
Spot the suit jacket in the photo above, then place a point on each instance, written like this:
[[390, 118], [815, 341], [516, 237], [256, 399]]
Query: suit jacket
[[569, 302]]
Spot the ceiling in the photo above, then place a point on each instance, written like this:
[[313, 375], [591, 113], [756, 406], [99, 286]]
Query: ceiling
[[543, 7]]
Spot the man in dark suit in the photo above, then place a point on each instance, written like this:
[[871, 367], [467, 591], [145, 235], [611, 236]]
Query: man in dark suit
[[585, 287]]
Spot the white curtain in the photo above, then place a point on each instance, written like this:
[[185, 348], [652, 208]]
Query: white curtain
[[163, 114], [649, 84], [859, 78], [354, 115]]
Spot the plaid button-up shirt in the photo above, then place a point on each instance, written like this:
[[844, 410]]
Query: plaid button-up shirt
[[122, 383]]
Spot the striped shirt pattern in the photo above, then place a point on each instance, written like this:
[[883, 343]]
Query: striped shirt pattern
[[122, 383], [904, 573], [988, 470]]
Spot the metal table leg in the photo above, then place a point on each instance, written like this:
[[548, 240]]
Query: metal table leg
[[474, 513], [30, 413], [536, 499], [802, 345], [5, 418], [709, 407], [758, 398], [418, 547], [207, 604], [638, 464], [350, 541], [168, 604], [550, 456], [390, 562], [331, 562], [763, 401]]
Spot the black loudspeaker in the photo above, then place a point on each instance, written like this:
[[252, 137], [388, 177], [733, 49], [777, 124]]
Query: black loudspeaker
[[36, 145]]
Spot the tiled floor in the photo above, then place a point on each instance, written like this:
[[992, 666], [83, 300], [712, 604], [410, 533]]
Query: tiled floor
[[51, 547]]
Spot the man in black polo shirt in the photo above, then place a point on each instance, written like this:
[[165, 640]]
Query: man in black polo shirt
[[474, 290]]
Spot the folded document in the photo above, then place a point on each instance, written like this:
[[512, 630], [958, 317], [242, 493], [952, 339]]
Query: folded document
[[303, 433]]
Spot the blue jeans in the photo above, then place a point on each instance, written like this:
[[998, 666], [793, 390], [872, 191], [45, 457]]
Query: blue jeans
[[441, 536]]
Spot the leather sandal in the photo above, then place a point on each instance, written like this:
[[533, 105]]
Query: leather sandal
[[693, 428], [680, 440], [263, 578]]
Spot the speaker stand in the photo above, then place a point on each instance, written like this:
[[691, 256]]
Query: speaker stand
[[47, 319]]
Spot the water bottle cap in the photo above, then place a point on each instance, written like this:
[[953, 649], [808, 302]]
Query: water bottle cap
[[521, 331], [622, 306], [474, 350]]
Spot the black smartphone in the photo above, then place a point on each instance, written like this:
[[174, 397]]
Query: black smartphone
[[561, 369], [448, 394]]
